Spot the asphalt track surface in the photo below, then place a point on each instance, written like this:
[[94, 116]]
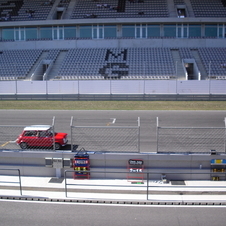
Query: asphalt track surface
[[15, 213], [148, 120]]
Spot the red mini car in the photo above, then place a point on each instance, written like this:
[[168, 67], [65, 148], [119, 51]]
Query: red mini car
[[41, 136]]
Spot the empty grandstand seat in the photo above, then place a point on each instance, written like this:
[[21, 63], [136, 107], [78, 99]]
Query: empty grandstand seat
[[150, 8]]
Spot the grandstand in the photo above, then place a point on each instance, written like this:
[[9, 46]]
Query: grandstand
[[112, 39]]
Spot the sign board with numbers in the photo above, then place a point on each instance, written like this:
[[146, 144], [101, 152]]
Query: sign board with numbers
[[135, 170]]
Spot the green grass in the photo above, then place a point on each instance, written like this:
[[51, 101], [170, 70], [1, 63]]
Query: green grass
[[113, 105]]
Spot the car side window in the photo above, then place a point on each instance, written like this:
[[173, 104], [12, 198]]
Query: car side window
[[30, 133], [49, 133], [42, 134]]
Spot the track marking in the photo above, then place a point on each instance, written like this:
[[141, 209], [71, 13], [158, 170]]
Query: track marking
[[106, 204], [113, 121], [8, 142], [5, 144]]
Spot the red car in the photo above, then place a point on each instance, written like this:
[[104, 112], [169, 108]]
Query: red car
[[41, 136]]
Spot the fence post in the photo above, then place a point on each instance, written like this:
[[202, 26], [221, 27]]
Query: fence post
[[138, 120], [157, 133], [20, 182], [71, 125], [78, 87], [16, 88], [110, 91], [65, 182], [53, 124], [47, 94], [225, 134], [18, 170], [147, 184]]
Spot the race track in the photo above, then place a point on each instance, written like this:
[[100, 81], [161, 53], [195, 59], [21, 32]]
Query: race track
[[148, 120]]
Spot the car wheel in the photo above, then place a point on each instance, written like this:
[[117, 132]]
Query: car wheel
[[23, 145], [57, 146]]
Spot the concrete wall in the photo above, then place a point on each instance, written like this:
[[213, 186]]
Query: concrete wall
[[115, 43], [190, 167], [114, 87]]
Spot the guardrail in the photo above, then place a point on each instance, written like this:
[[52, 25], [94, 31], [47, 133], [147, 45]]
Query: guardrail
[[19, 177], [164, 177]]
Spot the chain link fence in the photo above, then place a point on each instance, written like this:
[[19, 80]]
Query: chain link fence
[[8, 136], [31, 139], [35, 137], [191, 140], [106, 138], [92, 138]]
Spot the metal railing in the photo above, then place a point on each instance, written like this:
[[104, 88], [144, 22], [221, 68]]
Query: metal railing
[[145, 182], [13, 182], [162, 177]]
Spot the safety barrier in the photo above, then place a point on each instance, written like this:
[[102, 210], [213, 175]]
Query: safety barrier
[[13, 182], [164, 178], [35, 89]]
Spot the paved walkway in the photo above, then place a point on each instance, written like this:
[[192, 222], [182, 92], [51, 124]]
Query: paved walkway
[[113, 191]]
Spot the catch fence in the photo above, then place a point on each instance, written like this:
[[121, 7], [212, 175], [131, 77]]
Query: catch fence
[[32, 139], [106, 138], [191, 140]]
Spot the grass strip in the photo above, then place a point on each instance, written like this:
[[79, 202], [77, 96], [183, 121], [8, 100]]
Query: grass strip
[[113, 105]]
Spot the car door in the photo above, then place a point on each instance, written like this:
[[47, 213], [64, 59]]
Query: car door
[[30, 137], [45, 139]]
